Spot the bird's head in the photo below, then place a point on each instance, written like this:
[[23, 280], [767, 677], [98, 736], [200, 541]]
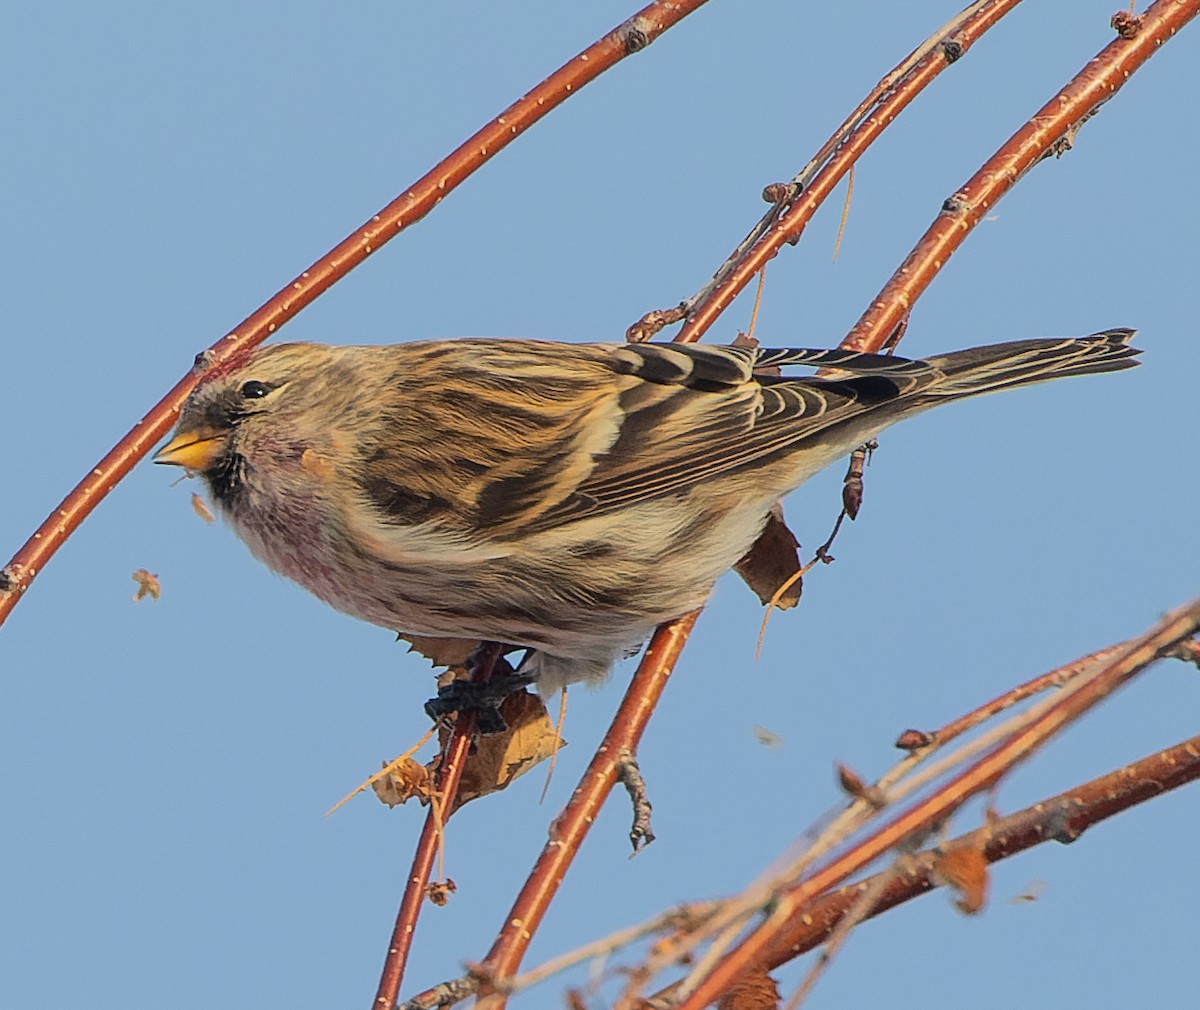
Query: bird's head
[[261, 410]]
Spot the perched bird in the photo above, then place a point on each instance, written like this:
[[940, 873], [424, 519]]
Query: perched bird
[[567, 498]]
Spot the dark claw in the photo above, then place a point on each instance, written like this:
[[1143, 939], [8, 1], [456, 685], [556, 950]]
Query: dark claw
[[484, 699]]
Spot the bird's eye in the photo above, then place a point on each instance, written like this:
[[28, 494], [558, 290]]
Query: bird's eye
[[255, 390]]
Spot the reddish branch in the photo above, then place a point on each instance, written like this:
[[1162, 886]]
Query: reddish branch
[[450, 769], [1049, 131], [1062, 818], [796, 206], [417, 201], [923, 816], [572, 825], [917, 740], [630, 37]]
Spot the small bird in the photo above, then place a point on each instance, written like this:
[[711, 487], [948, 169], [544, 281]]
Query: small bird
[[565, 498]]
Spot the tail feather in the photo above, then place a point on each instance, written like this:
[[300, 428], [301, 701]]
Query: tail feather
[[1019, 363]]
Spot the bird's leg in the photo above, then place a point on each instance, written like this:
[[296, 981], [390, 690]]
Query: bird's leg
[[484, 697]]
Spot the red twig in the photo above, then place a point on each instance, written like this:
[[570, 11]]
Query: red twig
[[787, 221], [417, 201], [573, 824], [1062, 818], [965, 723], [454, 756], [1048, 131], [897, 91], [980, 776]]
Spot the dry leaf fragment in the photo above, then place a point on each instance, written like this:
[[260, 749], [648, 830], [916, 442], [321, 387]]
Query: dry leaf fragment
[[754, 990], [441, 651], [771, 561], [856, 788], [966, 870], [147, 585], [402, 783], [499, 758], [439, 891], [200, 507], [768, 738]]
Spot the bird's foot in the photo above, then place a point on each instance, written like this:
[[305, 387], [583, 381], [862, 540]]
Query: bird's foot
[[482, 697]]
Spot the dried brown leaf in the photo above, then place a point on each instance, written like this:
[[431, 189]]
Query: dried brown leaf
[[754, 990], [966, 870], [499, 758], [441, 651], [200, 507], [147, 585], [407, 780], [774, 558], [439, 891]]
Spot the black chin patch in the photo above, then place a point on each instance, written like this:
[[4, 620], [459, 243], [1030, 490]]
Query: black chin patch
[[226, 477]]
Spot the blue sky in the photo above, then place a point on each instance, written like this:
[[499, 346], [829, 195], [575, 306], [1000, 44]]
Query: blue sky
[[165, 766]]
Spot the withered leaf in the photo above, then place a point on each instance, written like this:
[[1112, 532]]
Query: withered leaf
[[147, 585], [200, 507], [771, 561], [410, 779], [499, 758], [966, 870], [439, 891], [753, 990], [441, 651]]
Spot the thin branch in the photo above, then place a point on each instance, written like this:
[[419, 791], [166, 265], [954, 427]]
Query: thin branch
[[573, 824], [795, 204], [418, 200], [1049, 131], [1054, 678], [790, 222], [723, 928], [985, 773], [449, 773], [1062, 818], [682, 917], [866, 899]]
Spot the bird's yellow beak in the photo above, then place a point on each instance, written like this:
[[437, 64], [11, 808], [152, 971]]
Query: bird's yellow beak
[[195, 450]]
